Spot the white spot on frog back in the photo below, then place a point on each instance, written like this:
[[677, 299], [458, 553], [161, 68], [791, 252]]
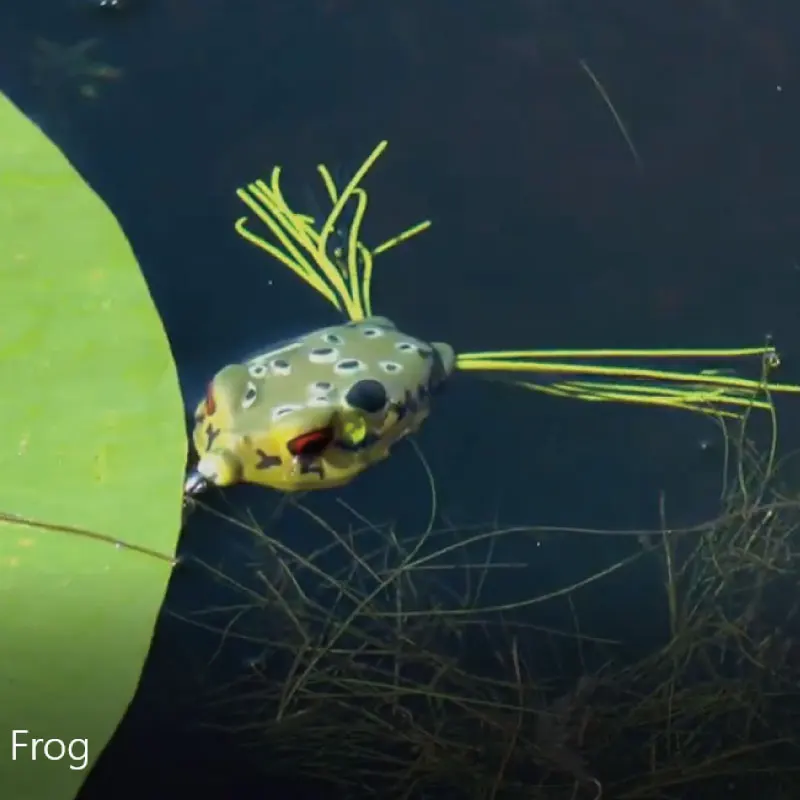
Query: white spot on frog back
[[250, 395], [280, 367], [390, 366], [349, 366], [257, 370], [321, 394], [279, 412], [320, 401], [323, 355], [372, 333]]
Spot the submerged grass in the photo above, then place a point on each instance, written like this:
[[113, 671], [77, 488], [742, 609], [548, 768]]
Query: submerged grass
[[392, 673]]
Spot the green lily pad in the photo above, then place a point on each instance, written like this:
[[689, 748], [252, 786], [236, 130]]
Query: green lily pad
[[91, 436]]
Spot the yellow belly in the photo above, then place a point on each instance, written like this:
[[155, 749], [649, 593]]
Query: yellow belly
[[336, 467]]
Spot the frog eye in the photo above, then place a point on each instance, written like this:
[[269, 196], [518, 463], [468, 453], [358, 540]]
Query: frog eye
[[281, 411], [406, 347], [323, 355], [257, 370], [250, 395], [367, 395], [280, 366]]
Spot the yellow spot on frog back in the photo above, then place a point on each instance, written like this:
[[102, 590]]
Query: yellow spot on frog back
[[9, 561]]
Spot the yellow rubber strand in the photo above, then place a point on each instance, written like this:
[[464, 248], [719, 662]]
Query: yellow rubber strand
[[718, 392], [301, 242]]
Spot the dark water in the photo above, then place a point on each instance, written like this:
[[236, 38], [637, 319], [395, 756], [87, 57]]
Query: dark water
[[546, 234]]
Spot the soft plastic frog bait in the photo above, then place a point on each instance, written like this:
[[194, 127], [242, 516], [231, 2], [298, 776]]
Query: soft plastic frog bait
[[315, 411]]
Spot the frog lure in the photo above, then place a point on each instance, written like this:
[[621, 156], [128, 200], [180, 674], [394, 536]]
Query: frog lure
[[315, 411]]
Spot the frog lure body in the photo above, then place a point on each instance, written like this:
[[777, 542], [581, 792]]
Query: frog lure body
[[316, 411]]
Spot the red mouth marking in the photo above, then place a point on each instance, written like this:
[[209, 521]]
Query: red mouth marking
[[211, 404], [310, 444]]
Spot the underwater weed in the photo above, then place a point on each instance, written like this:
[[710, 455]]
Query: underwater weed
[[381, 653], [386, 668], [718, 701]]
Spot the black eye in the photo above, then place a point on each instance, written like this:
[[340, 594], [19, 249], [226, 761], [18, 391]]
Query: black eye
[[367, 395]]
